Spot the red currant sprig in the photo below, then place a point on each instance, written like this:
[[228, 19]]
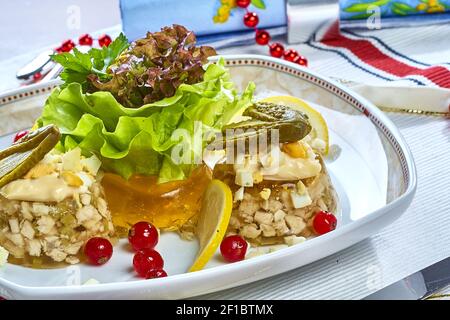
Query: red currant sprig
[[98, 250], [324, 222], [66, 46], [104, 40], [233, 248], [251, 19], [143, 235], [84, 40], [20, 135], [262, 37], [243, 3], [147, 262], [276, 50]]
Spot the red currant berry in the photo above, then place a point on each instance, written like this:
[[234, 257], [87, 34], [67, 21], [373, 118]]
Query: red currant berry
[[301, 60], [67, 46], [85, 40], [290, 55], [143, 235], [37, 76], [276, 50], [98, 250], [156, 274], [251, 19], [104, 40], [243, 3], [20, 135], [146, 260], [233, 248], [324, 222], [262, 37]]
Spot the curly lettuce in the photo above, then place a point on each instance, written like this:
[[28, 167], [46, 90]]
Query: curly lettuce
[[143, 72], [141, 140], [152, 68]]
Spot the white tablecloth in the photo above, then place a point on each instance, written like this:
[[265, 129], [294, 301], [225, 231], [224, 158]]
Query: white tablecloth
[[418, 239]]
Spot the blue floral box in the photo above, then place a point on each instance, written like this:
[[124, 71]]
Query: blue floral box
[[205, 17], [219, 19], [361, 9]]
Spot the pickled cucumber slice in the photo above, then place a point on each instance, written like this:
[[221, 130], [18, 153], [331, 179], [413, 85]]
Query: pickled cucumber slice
[[292, 125], [19, 158]]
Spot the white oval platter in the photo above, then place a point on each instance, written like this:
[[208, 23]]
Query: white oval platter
[[370, 165]]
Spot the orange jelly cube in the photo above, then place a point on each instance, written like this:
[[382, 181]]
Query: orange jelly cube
[[168, 205]]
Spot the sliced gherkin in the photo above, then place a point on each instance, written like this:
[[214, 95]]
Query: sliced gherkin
[[19, 158], [292, 125]]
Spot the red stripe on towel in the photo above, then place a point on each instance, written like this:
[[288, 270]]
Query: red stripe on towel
[[368, 53]]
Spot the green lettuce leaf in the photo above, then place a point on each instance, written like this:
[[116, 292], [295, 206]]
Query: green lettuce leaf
[[141, 141]]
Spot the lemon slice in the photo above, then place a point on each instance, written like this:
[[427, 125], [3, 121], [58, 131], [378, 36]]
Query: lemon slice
[[213, 221], [320, 128]]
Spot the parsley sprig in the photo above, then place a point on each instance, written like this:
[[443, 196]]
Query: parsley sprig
[[78, 65]]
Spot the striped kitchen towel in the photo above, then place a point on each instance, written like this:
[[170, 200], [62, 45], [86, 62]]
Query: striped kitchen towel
[[390, 61], [401, 69]]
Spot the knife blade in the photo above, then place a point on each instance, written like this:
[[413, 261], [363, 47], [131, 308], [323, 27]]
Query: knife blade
[[417, 286]]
